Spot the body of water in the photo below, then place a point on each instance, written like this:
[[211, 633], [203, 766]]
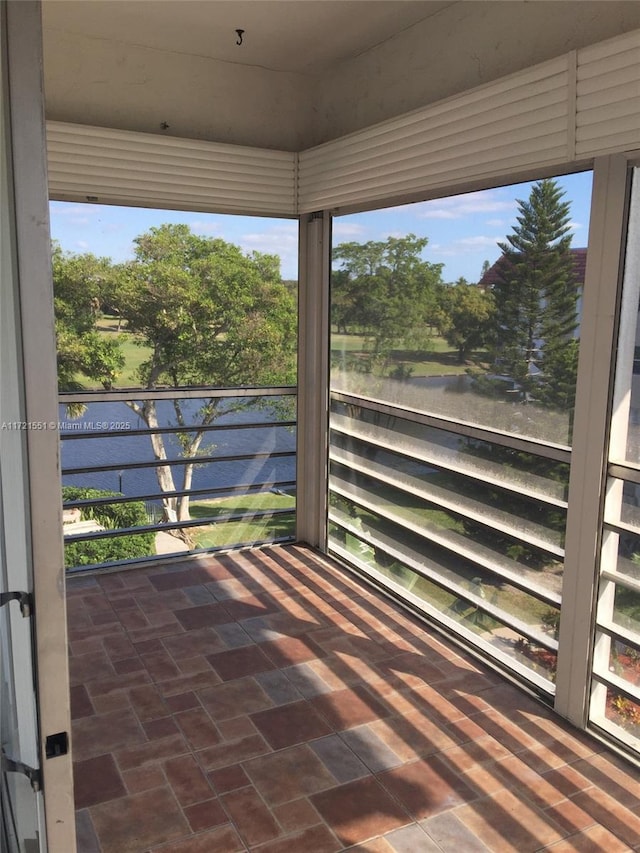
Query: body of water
[[122, 448]]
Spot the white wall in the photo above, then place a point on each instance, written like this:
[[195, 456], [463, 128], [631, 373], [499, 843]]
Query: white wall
[[112, 84], [462, 46]]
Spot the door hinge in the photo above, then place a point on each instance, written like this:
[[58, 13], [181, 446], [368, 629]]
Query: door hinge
[[25, 600], [33, 775]]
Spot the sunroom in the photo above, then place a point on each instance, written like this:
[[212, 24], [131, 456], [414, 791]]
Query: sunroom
[[443, 595]]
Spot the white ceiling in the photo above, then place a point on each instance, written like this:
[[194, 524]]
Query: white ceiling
[[308, 71], [303, 36]]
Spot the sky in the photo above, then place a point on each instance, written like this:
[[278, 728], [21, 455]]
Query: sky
[[462, 230]]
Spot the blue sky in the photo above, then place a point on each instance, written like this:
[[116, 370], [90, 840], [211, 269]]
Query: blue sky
[[462, 230]]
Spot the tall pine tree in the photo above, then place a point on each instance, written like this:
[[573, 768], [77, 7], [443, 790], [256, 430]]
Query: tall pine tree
[[536, 300]]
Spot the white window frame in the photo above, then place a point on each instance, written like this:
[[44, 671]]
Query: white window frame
[[38, 385]]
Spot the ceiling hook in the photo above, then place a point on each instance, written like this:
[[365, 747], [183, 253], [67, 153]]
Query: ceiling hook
[[240, 34]]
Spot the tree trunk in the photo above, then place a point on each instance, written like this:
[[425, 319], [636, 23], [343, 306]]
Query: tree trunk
[[164, 473], [183, 502], [149, 413]]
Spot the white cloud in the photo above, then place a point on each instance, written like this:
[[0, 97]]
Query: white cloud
[[279, 240], [66, 208], [348, 229], [478, 242], [457, 207], [268, 241], [574, 226], [82, 244], [76, 214], [446, 252], [465, 246], [440, 213], [202, 227]]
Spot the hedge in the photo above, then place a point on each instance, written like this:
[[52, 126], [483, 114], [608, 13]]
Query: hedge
[[111, 517]]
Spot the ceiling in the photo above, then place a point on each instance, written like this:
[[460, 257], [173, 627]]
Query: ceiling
[[302, 36], [307, 71]]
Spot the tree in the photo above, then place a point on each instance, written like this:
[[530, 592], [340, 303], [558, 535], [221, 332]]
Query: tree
[[387, 291], [344, 298], [111, 517], [536, 299], [465, 317], [211, 315], [79, 284]]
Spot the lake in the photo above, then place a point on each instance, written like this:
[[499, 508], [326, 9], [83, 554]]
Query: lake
[[123, 448]]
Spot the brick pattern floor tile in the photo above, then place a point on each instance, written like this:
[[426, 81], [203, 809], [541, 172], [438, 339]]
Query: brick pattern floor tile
[[134, 823], [86, 839], [289, 724], [234, 663], [371, 749], [96, 781], [360, 810], [288, 774], [266, 701], [339, 758], [251, 816], [187, 780], [206, 815]]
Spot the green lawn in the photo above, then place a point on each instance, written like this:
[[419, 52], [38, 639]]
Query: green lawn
[[248, 530], [133, 353], [409, 507], [438, 360], [505, 598]]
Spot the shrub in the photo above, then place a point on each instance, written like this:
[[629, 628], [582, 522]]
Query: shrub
[[111, 517]]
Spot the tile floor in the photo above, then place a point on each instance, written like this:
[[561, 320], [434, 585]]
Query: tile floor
[[265, 701]]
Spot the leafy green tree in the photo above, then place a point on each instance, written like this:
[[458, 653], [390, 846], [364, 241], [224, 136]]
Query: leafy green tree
[[344, 301], [536, 299], [465, 317], [79, 284], [210, 315], [111, 517], [387, 291]]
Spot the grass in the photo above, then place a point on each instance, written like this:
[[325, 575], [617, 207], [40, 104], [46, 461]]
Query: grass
[[134, 354], [440, 359], [508, 599], [111, 323], [411, 508], [502, 595], [247, 530]]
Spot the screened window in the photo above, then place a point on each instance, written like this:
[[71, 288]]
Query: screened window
[[454, 352]]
